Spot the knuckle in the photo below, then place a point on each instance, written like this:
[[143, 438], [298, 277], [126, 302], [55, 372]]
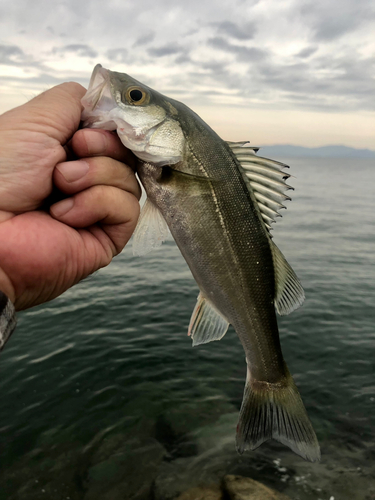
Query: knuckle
[[100, 192]]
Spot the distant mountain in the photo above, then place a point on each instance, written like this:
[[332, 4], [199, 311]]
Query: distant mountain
[[323, 152]]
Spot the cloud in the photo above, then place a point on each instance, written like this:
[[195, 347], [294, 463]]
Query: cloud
[[144, 39], [333, 19], [243, 53], [165, 50], [183, 59], [307, 52], [118, 55], [78, 49], [299, 54], [11, 55], [233, 30]]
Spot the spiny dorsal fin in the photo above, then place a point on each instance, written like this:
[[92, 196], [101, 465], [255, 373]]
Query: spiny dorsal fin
[[206, 323], [240, 144], [266, 178], [151, 230], [289, 294]]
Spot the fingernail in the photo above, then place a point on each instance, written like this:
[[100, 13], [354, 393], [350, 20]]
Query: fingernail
[[73, 170], [62, 207], [96, 142]]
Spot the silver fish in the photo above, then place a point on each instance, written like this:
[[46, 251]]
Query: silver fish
[[218, 200]]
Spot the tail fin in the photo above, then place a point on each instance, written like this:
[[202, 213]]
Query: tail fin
[[275, 411]]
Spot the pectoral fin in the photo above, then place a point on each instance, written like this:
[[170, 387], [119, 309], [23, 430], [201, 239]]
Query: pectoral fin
[[190, 184], [206, 323], [151, 230]]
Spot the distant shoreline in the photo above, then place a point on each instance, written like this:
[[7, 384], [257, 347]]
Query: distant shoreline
[[321, 152]]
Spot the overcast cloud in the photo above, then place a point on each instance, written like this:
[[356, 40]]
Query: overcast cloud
[[297, 57]]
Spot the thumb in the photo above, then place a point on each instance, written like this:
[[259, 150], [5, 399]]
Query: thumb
[[56, 112]]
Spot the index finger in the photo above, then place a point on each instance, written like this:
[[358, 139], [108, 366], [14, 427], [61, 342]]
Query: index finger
[[89, 142]]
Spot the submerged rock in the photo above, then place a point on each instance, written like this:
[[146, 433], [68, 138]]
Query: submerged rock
[[244, 488], [182, 474], [233, 488], [216, 456], [129, 473], [213, 492], [218, 437], [189, 416]]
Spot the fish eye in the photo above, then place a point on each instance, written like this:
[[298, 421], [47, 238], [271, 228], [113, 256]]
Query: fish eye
[[135, 95]]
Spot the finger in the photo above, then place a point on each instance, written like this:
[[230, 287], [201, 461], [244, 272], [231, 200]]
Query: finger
[[74, 176], [91, 142], [105, 204], [4, 215], [116, 210]]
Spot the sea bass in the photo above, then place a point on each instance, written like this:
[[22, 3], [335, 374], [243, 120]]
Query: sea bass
[[218, 200]]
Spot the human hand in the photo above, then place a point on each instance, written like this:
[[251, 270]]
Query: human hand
[[46, 250]]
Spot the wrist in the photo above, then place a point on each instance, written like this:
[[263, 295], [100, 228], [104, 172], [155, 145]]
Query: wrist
[[7, 319]]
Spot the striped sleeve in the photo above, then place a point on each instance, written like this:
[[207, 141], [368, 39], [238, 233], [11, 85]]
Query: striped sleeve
[[7, 319]]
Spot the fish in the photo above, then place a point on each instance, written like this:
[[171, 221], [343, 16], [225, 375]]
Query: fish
[[218, 199]]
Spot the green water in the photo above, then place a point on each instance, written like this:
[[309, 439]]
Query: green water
[[103, 397]]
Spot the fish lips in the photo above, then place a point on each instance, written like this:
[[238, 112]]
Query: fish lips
[[98, 101]]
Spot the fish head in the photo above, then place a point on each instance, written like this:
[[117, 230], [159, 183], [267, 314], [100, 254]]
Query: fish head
[[145, 120]]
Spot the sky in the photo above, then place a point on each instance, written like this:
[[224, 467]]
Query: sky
[[269, 71]]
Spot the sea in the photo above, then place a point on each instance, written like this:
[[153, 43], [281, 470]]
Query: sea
[[102, 395]]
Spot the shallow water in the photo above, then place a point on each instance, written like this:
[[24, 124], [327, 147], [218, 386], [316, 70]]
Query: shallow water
[[103, 397]]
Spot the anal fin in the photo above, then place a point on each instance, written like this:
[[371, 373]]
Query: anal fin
[[289, 294], [206, 323]]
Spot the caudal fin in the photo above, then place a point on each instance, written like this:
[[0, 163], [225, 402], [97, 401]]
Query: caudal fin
[[275, 411]]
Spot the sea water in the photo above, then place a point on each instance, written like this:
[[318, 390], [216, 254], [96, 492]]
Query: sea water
[[103, 397]]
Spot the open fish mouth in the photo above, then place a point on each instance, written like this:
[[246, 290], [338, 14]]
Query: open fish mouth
[[99, 102]]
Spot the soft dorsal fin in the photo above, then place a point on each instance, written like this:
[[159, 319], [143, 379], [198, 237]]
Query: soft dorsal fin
[[151, 230], [206, 323], [289, 294], [266, 178]]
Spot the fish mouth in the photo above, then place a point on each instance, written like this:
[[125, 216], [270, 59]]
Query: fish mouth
[[98, 102]]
